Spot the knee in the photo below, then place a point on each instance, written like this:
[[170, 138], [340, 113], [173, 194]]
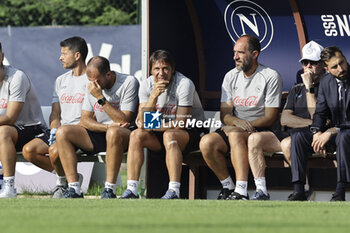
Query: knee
[[169, 139], [286, 145], [137, 136], [208, 146], [62, 132], [28, 152], [254, 141], [114, 135]]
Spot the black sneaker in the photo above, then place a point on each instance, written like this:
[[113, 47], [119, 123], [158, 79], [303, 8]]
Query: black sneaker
[[224, 193], [70, 193], [295, 196], [107, 193], [260, 196], [128, 194], [337, 197], [237, 196]]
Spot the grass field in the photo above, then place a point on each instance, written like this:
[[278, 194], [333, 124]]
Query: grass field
[[38, 215]]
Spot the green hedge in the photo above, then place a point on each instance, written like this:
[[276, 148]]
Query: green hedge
[[67, 12]]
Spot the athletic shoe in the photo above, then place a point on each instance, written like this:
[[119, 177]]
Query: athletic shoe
[[107, 193], [128, 194], [260, 196], [8, 192], [337, 197], [70, 193], [295, 196], [59, 191], [224, 193], [170, 194], [237, 196]]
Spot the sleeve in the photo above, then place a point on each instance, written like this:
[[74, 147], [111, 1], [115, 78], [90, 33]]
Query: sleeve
[[322, 112], [129, 100], [55, 98], [290, 99], [226, 92], [274, 91], [19, 87], [87, 105], [186, 91], [144, 91]]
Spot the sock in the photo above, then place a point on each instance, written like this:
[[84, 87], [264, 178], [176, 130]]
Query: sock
[[110, 186], [299, 187], [260, 183], [132, 185], [76, 187], [241, 187], [61, 181], [227, 183], [307, 186], [175, 186], [340, 189], [9, 182]]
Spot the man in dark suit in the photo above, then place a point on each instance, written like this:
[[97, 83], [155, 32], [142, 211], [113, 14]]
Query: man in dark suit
[[333, 104]]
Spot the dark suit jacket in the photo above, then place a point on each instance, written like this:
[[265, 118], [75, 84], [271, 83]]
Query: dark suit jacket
[[327, 106]]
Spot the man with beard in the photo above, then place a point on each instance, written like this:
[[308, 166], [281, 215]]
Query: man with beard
[[250, 100], [333, 104]]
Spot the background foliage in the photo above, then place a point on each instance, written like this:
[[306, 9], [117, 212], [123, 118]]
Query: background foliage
[[68, 12]]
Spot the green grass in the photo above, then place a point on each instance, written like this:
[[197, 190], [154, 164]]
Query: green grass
[[50, 216]]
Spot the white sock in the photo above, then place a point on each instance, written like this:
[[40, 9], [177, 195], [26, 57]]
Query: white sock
[[175, 186], [241, 187], [110, 186], [260, 183], [9, 182], [61, 181], [132, 185], [227, 183], [76, 187]]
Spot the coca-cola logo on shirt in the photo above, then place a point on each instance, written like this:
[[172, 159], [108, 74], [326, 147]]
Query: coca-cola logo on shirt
[[78, 98], [250, 101], [3, 103], [169, 109], [99, 108]]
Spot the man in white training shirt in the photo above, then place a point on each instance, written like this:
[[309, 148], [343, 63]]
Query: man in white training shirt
[[174, 97], [68, 97], [250, 100], [110, 103], [21, 120]]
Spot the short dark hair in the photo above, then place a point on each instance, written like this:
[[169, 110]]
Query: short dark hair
[[253, 43], [101, 64], [76, 44], [330, 52], [162, 55]]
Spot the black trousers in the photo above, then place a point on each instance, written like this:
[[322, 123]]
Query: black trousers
[[301, 149]]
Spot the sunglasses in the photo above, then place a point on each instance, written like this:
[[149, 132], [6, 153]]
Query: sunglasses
[[306, 62]]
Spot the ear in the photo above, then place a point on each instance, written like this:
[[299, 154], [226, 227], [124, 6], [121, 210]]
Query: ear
[[77, 56], [255, 54], [326, 68]]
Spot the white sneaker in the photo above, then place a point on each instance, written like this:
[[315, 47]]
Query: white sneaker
[[80, 179], [8, 192]]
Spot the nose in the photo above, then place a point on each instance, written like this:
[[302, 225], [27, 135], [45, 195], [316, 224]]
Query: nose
[[340, 69], [235, 56]]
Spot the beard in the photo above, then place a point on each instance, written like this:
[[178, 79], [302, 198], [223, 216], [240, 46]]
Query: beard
[[246, 65]]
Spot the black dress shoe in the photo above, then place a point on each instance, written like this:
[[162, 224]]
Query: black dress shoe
[[337, 197], [295, 196]]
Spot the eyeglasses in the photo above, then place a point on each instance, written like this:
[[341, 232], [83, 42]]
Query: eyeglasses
[[306, 62]]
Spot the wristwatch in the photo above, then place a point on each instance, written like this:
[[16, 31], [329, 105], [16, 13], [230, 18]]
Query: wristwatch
[[311, 89], [101, 101], [314, 130]]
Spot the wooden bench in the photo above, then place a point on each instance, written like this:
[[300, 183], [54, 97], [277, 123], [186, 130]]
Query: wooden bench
[[197, 187]]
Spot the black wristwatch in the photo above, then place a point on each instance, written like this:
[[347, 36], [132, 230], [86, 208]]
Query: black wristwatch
[[314, 130], [310, 90], [101, 101]]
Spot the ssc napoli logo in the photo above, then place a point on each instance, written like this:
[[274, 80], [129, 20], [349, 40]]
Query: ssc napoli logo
[[246, 17]]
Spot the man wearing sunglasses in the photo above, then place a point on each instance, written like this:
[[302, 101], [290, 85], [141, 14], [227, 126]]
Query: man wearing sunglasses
[[297, 114]]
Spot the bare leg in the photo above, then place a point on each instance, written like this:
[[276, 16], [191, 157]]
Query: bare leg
[[55, 160], [8, 157], [35, 152]]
